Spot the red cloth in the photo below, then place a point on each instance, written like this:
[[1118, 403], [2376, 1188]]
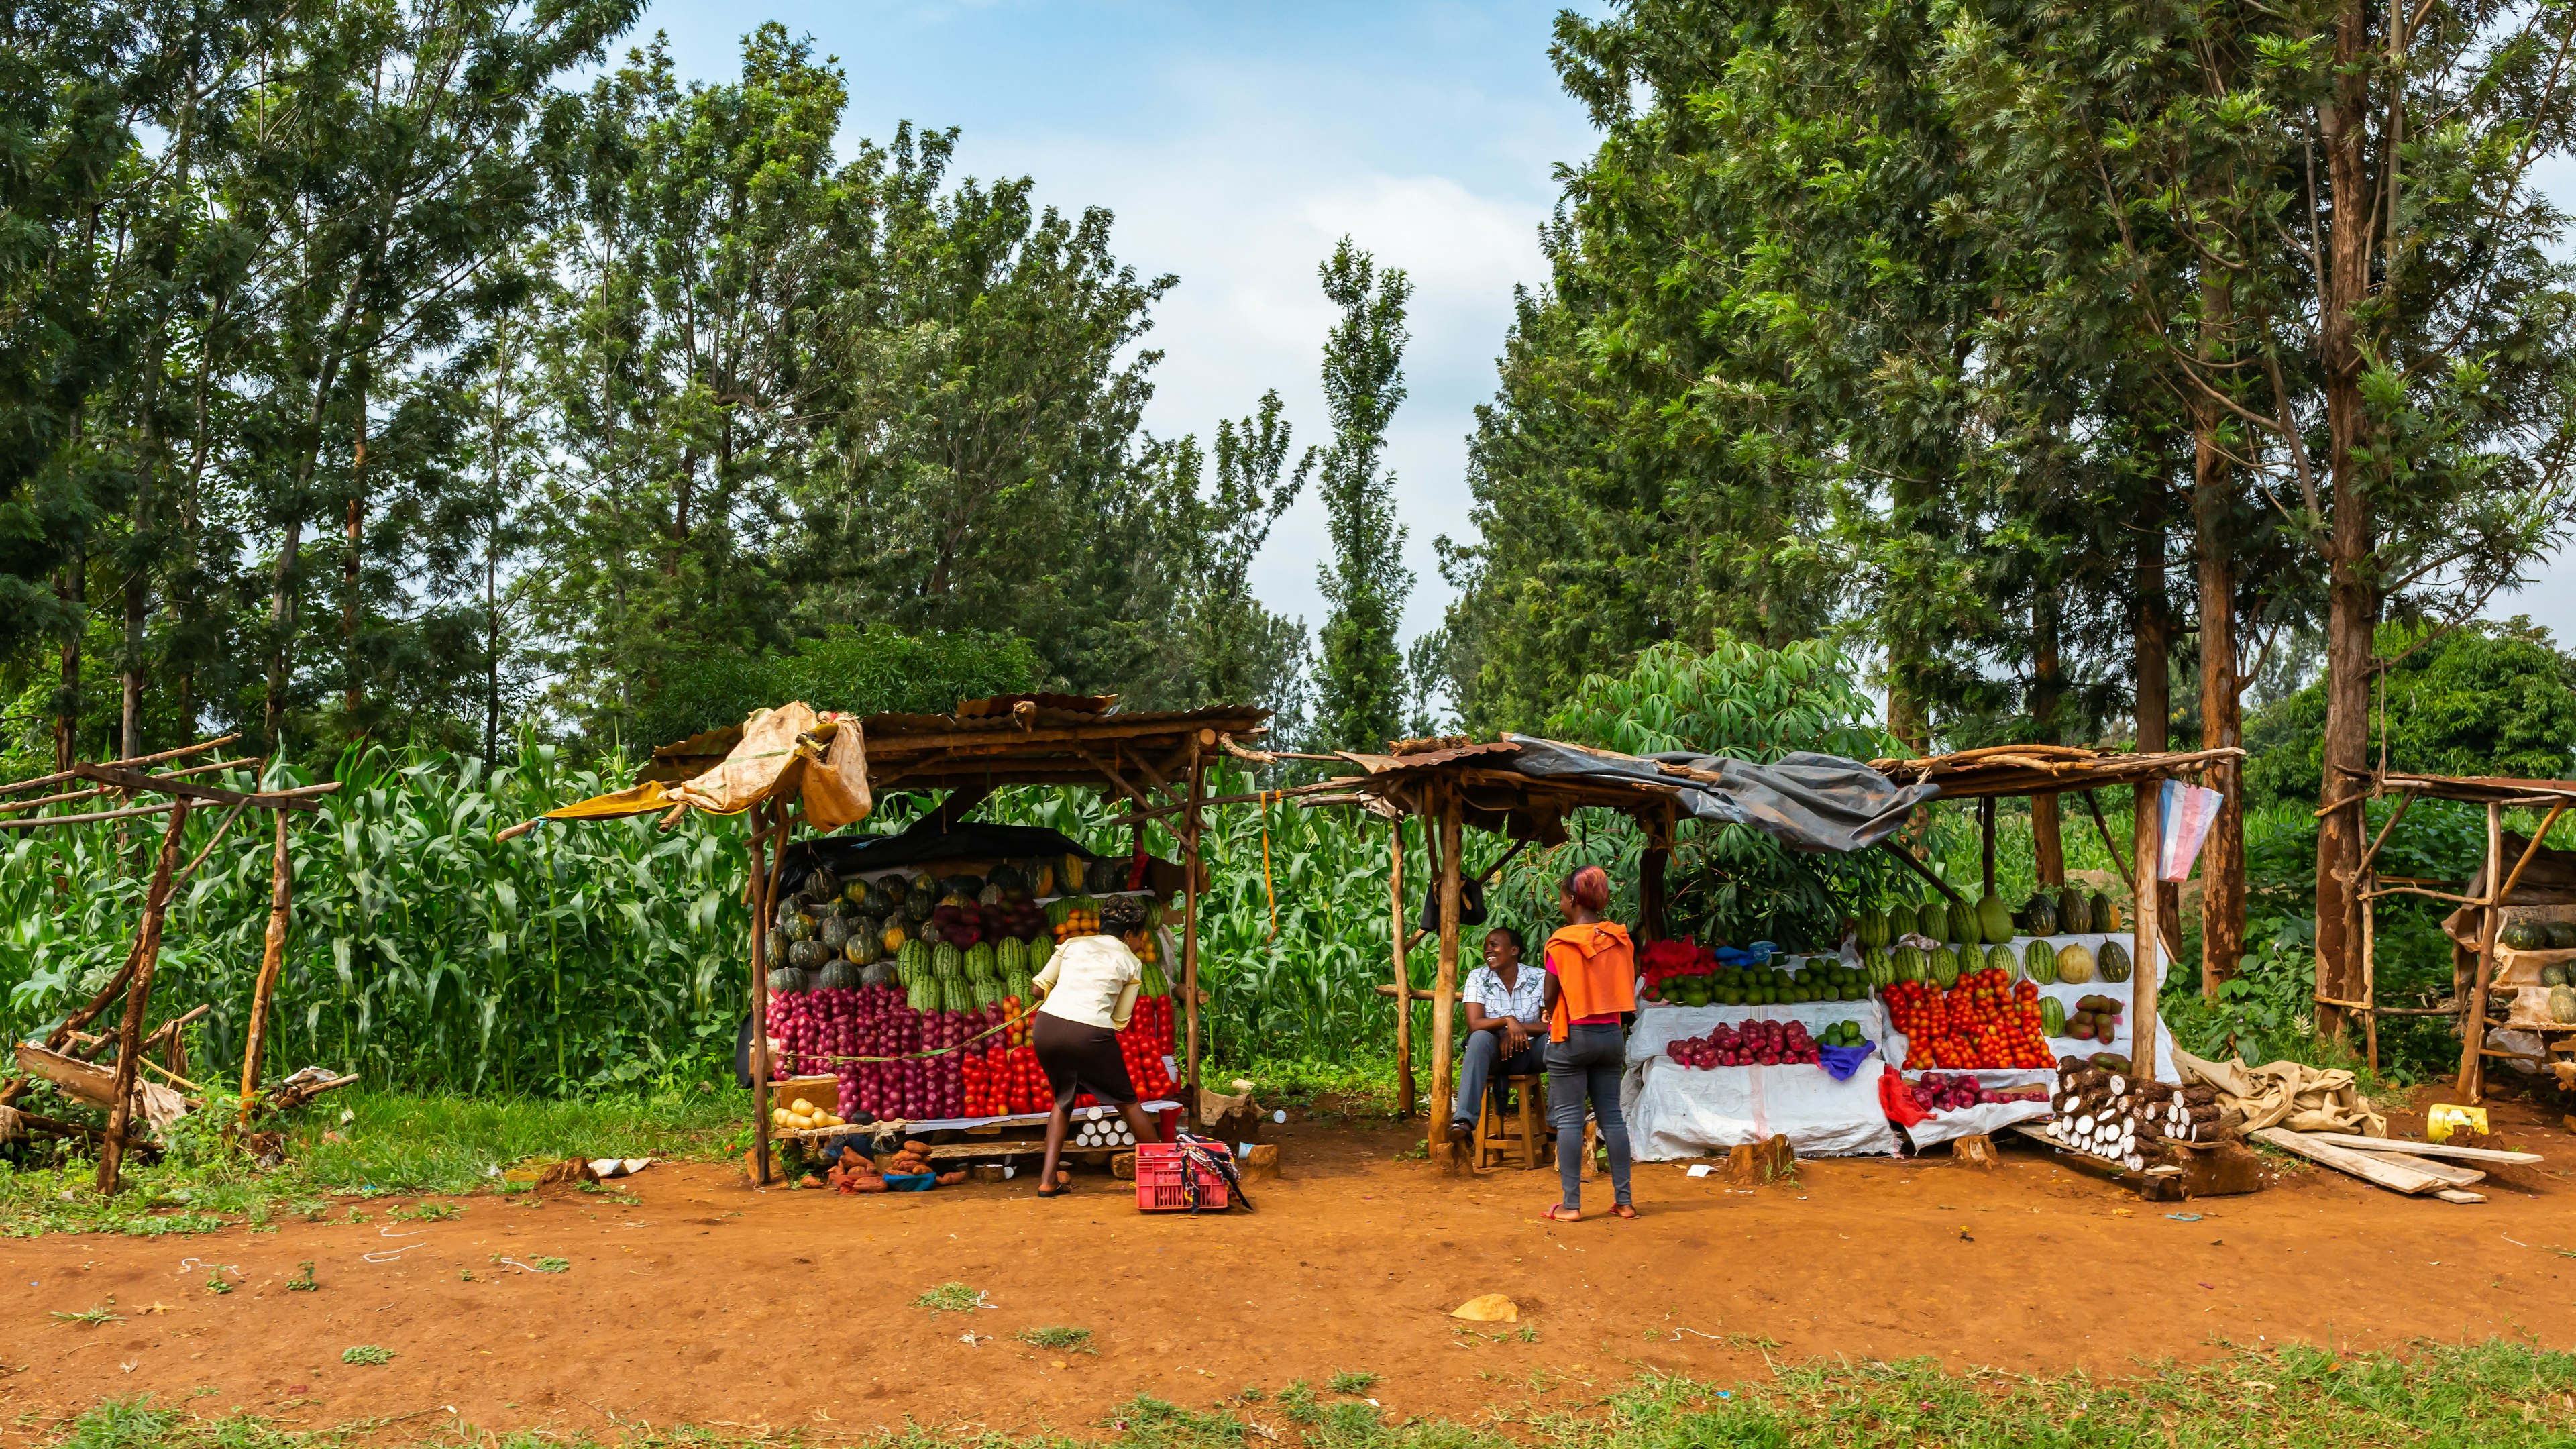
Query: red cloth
[[1595, 967], [1896, 1099]]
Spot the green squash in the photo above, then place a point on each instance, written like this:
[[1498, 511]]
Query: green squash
[[2039, 916], [2114, 961], [2554, 974], [786, 981], [2074, 911], [2562, 1005], [1994, 919]]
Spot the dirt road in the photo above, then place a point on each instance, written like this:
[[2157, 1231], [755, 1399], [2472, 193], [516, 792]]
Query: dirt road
[[705, 1302]]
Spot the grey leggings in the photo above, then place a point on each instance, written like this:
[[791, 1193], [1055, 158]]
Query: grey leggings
[[1587, 1064]]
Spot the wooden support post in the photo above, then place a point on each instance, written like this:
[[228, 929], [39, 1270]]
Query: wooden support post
[[272, 958], [2369, 965], [138, 998], [2473, 1071], [760, 910], [1444, 1000], [1986, 841], [1190, 823], [1650, 892], [1403, 977], [2145, 934]]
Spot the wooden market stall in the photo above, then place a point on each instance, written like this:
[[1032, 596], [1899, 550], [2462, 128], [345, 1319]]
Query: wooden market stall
[[795, 765], [1986, 775], [1523, 789], [62, 1058], [2479, 974]]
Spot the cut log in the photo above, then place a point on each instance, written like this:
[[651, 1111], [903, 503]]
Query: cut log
[[2422, 1149], [2372, 1169]]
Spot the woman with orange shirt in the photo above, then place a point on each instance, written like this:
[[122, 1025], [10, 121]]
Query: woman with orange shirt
[[1590, 998]]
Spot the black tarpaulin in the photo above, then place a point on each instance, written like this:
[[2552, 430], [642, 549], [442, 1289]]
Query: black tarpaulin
[[1808, 801]]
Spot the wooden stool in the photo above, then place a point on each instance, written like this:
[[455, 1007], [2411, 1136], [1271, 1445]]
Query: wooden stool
[[1499, 1136]]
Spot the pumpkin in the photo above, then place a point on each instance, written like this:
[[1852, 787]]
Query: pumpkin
[[820, 885], [2562, 1005], [832, 933], [1105, 876], [807, 954], [2525, 936], [2074, 964], [2554, 974], [786, 980], [2562, 935], [865, 947], [1008, 879], [838, 976], [894, 937], [877, 973], [797, 927]]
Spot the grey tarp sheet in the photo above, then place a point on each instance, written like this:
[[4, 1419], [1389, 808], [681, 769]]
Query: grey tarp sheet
[[1809, 801]]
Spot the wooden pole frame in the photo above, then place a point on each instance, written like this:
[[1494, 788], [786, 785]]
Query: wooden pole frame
[[761, 908], [272, 959], [1444, 1000], [2146, 936], [138, 998], [1403, 976], [2472, 1080], [1191, 824]]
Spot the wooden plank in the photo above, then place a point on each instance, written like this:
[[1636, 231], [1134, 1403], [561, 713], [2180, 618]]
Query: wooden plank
[[138, 998], [2454, 1194], [2146, 932], [2422, 1149], [2451, 1173], [199, 748], [298, 798], [2369, 1167], [1402, 978]]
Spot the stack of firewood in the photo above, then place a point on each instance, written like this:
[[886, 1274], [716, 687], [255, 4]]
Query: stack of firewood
[[2114, 1117]]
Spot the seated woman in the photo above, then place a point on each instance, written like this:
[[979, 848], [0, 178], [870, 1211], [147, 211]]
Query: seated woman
[[1505, 1008]]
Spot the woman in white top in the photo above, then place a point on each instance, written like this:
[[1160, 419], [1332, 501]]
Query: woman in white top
[[1090, 984]]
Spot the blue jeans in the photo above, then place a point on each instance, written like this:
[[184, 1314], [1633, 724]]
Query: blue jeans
[[1477, 1064], [1587, 1064]]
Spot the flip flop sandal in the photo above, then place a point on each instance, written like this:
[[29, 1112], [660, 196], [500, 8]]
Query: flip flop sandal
[[1624, 1210], [1558, 1212]]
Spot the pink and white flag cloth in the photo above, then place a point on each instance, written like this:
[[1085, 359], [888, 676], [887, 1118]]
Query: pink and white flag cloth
[[2185, 812]]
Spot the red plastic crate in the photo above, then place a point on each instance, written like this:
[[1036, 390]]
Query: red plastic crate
[[1158, 1180]]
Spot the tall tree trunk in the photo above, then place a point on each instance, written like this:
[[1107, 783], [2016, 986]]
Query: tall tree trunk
[[71, 589], [2047, 691], [2213, 504], [138, 578], [352, 545], [2155, 696], [2352, 604]]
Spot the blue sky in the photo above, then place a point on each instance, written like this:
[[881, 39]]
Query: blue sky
[[1236, 142]]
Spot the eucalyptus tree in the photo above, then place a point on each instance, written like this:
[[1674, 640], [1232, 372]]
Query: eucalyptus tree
[[1360, 669], [2337, 256]]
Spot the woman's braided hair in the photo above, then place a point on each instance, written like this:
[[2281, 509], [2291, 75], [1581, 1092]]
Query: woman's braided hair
[[1122, 915]]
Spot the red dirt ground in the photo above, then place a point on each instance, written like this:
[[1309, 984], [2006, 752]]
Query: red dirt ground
[[708, 1303]]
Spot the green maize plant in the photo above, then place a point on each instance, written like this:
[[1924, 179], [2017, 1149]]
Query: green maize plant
[[422, 953]]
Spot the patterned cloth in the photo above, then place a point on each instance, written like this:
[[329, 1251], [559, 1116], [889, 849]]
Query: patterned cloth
[[1526, 998]]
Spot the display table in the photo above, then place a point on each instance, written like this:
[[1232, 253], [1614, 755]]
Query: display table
[[1991, 1118], [1677, 1111], [2067, 996]]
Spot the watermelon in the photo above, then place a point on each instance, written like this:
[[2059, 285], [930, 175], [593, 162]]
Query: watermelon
[[979, 962], [1943, 967], [2000, 957], [947, 962], [2039, 963], [2052, 1016]]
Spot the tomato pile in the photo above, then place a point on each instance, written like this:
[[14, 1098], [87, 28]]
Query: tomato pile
[[1986, 1020], [1002, 1080], [1145, 1043], [1660, 961]]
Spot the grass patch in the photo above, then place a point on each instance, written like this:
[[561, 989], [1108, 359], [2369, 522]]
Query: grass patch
[[367, 1355], [98, 1317], [2495, 1396], [393, 1143], [1350, 1382], [950, 1297], [1060, 1337]]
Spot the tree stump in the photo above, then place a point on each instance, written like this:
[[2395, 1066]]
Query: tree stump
[[1755, 1163], [1260, 1162], [1974, 1150]]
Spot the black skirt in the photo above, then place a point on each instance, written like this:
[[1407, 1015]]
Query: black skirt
[[1079, 1058]]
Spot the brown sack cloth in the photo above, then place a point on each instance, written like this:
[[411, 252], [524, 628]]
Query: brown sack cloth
[[2550, 879], [2285, 1094]]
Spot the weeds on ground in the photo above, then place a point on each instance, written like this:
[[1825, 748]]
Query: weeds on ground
[[1060, 1337], [1350, 1382], [98, 1317], [393, 1143], [2496, 1395], [367, 1354], [950, 1297]]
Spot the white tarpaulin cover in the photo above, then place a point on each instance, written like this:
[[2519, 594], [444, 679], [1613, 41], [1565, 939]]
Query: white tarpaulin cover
[[1992, 1117], [1677, 1111]]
